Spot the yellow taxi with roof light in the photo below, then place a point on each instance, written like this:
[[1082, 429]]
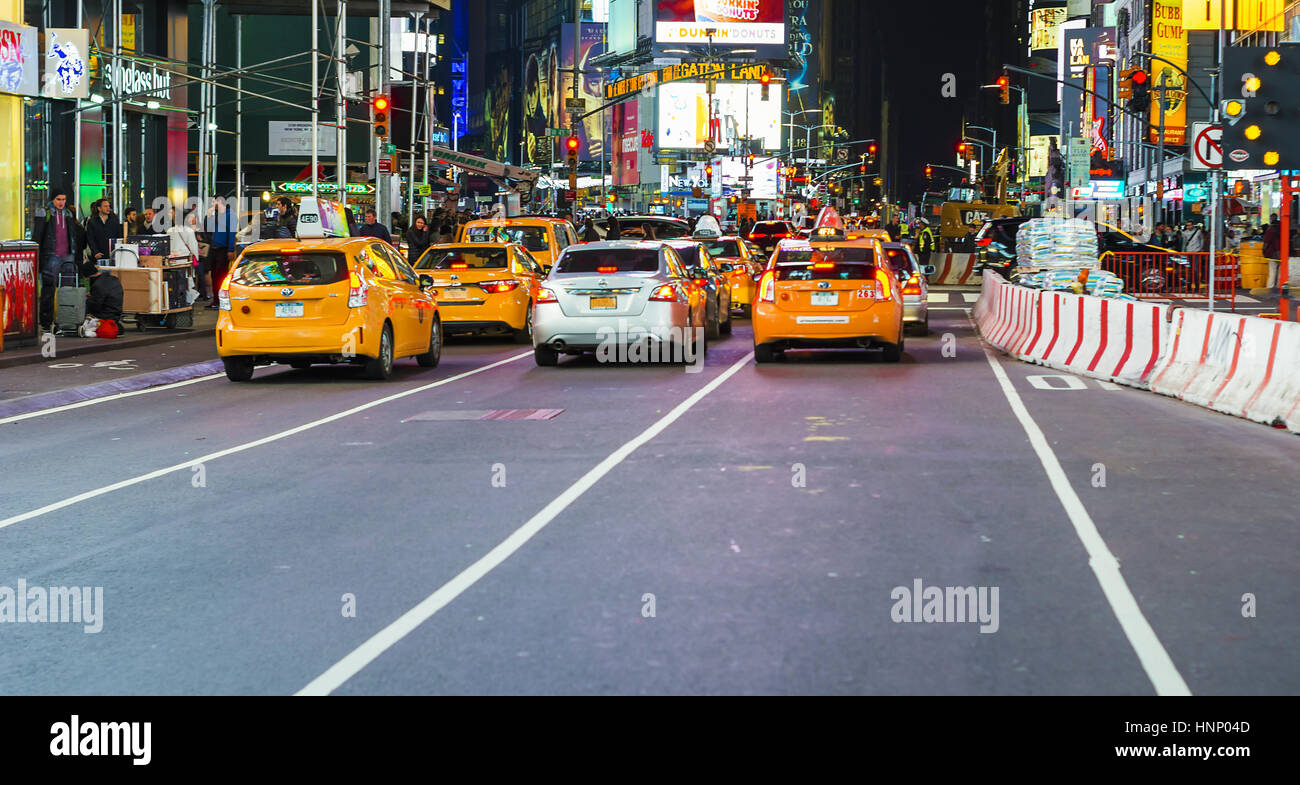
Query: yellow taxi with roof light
[[327, 298], [484, 288], [543, 237], [828, 292], [736, 261]]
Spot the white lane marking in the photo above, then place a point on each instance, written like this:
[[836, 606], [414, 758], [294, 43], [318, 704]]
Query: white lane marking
[[1160, 669], [1040, 381], [108, 398], [367, 652], [117, 486], [938, 297], [971, 297], [1110, 386]]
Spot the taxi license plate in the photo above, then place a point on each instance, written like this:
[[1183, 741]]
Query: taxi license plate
[[455, 294], [825, 298], [604, 302], [288, 309]]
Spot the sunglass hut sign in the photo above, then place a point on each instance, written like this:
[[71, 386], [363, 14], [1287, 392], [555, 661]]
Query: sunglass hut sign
[[131, 79]]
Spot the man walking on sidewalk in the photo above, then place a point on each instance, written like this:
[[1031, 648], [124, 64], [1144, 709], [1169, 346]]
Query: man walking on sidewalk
[[221, 227], [62, 241]]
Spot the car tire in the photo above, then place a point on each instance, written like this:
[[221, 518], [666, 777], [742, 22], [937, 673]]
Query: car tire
[[430, 358], [894, 351], [726, 326], [525, 336], [765, 353], [545, 356], [380, 367], [712, 329], [238, 369]]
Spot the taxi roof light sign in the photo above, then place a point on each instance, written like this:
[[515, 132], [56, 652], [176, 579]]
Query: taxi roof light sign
[[320, 218], [829, 224]]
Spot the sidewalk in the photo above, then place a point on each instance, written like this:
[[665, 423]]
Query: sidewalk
[[205, 323]]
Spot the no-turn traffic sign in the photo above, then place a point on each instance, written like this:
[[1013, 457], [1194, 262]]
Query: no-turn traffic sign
[[1207, 146]]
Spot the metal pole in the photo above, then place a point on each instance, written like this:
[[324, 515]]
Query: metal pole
[[1160, 154], [341, 112], [382, 183], [118, 168], [315, 93], [76, 145], [1214, 175], [428, 120], [415, 100], [239, 116]]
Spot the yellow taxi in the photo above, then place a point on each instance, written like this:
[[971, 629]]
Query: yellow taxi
[[870, 233], [543, 237], [828, 291], [484, 288], [325, 300], [738, 263]]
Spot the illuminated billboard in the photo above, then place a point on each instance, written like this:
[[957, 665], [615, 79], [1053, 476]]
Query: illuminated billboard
[[739, 112], [735, 23]]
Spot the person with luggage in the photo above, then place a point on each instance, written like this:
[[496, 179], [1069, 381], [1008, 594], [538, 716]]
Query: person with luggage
[[101, 229], [62, 241]]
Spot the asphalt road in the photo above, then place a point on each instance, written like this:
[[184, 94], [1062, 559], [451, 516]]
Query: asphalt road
[[770, 510]]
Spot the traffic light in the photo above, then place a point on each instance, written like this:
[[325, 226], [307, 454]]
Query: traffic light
[[571, 146], [871, 151], [708, 172], [1004, 88], [379, 115], [961, 153], [862, 169], [1124, 90], [749, 161], [929, 172], [1141, 92], [1261, 85], [766, 81]]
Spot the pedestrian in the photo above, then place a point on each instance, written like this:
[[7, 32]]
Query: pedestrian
[[150, 222], [614, 232], [62, 241], [101, 229], [104, 301], [589, 232], [1273, 240], [398, 224], [131, 223], [418, 239], [447, 232], [1193, 238], [372, 227], [220, 227], [184, 236], [286, 222]]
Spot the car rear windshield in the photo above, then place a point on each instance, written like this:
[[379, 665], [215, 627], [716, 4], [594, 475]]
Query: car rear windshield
[[612, 260], [769, 227], [899, 261], [472, 258], [845, 264], [723, 248], [531, 237], [663, 230], [298, 269], [794, 255]]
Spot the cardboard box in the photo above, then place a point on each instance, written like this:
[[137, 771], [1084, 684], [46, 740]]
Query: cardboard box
[[155, 262]]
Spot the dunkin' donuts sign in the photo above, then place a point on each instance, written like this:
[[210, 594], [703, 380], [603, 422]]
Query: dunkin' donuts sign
[[735, 23]]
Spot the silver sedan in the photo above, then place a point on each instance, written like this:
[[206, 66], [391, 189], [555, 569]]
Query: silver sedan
[[626, 301]]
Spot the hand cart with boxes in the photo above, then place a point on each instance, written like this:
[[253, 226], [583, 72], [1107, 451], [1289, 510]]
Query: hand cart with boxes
[[155, 288]]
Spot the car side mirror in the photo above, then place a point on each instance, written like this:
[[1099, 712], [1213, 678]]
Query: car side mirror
[[426, 281], [927, 269], [726, 267]]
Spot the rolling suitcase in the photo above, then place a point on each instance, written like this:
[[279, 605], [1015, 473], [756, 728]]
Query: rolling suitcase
[[70, 299]]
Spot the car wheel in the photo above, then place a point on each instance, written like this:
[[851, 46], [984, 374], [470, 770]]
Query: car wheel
[[726, 326], [430, 358], [712, 329], [298, 365], [894, 351], [381, 367], [238, 369], [525, 335], [765, 353], [545, 356]]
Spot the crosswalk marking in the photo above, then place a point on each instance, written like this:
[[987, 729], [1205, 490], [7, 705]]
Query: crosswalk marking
[[971, 297], [938, 297]]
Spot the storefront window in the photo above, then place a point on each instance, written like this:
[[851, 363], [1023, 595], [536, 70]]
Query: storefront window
[[36, 144]]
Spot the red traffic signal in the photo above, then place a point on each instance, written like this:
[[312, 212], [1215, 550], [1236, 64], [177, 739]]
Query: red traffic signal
[[928, 171], [379, 113], [862, 169], [871, 149], [961, 147], [765, 79], [708, 170], [572, 144], [1139, 77], [381, 103], [1004, 87]]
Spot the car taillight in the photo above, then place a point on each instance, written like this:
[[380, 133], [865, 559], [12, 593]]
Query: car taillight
[[666, 293], [545, 295], [984, 243], [700, 283], [603, 270], [223, 294], [882, 284], [767, 287], [913, 285], [358, 291], [823, 265], [460, 266], [497, 287]]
